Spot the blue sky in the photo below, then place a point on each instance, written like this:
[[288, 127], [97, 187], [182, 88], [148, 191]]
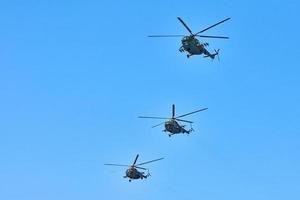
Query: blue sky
[[74, 76]]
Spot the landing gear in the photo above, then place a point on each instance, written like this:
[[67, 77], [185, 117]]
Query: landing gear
[[129, 180], [169, 135], [188, 56]]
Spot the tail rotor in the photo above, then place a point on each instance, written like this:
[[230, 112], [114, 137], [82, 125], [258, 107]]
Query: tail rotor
[[191, 129], [217, 54], [148, 174]]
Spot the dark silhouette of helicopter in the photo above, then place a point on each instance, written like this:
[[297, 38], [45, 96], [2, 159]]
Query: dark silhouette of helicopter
[[171, 125], [192, 45], [132, 172]]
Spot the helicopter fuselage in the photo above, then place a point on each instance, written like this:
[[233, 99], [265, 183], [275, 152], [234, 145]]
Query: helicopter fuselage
[[193, 46], [173, 127], [133, 173]]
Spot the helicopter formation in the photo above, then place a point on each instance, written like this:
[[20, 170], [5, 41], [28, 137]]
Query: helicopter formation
[[191, 46]]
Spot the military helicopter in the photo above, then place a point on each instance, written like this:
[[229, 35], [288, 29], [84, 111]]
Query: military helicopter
[[191, 45], [171, 125], [132, 172]]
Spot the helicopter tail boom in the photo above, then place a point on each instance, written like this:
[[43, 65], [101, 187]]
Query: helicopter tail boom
[[213, 55]]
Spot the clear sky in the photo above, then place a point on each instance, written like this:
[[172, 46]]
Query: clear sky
[[74, 76]]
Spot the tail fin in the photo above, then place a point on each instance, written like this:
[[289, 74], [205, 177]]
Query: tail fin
[[216, 54], [190, 130], [148, 174]]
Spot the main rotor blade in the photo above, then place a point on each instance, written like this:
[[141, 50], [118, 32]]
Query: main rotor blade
[[158, 125], [118, 165], [173, 111], [149, 161], [191, 113], [145, 117], [137, 155], [184, 121], [166, 35], [213, 25], [184, 24], [141, 168], [210, 36]]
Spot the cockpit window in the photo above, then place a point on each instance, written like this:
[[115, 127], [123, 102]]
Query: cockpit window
[[185, 40]]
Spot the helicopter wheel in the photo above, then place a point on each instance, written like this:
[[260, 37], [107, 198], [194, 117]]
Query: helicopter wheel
[[169, 135], [188, 56], [129, 180]]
